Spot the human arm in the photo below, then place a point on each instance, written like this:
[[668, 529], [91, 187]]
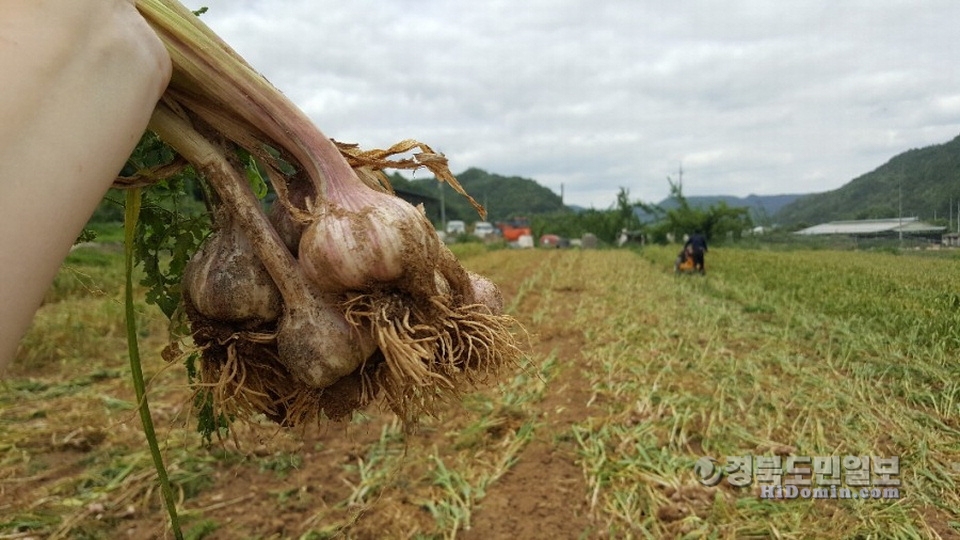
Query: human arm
[[81, 79]]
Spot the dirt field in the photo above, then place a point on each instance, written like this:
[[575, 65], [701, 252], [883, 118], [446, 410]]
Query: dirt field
[[632, 375]]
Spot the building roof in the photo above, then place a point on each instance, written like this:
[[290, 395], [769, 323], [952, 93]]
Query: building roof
[[907, 225]]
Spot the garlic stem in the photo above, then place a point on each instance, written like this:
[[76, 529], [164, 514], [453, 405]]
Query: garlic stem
[[236, 195], [208, 72]]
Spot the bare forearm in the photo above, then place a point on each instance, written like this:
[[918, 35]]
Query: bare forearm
[[84, 77]]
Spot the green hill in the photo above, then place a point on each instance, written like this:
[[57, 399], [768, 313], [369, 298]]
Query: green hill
[[503, 197], [928, 179]]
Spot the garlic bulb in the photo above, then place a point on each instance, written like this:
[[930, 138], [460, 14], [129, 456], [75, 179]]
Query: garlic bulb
[[373, 239], [486, 292], [318, 345], [226, 281]]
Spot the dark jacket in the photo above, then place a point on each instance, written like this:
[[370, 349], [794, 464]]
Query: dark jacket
[[698, 242]]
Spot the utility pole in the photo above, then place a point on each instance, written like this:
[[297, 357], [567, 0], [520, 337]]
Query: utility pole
[[900, 211], [443, 209]]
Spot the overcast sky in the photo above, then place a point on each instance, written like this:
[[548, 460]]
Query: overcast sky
[[749, 96]]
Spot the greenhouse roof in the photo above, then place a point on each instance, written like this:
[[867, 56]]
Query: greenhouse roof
[[873, 227]]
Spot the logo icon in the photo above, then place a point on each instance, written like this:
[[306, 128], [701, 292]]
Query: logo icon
[[707, 471]]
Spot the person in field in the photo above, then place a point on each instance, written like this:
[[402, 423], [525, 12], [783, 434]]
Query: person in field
[[697, 243], [684, 260], [81, 79]]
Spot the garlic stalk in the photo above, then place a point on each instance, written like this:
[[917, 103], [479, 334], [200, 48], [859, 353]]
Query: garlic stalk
[[387, 238], [220, 87]]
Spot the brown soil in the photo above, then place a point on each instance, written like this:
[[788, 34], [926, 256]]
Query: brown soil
[[544, 495]]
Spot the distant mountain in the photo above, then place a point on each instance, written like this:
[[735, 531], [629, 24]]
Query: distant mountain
[[503, 197], [924, 182]]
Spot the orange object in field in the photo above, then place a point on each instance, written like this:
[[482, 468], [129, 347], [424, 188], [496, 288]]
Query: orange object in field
[[513, 229]]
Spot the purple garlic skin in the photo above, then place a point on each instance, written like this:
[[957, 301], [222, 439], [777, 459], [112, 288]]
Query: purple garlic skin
[[379, 239]]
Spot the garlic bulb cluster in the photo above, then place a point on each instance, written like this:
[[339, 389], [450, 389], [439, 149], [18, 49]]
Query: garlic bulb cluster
[[345, 286]]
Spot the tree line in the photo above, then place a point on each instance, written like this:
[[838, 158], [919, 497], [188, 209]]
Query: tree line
[[718, 222]]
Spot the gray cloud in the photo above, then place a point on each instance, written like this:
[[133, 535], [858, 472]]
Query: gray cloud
[[749, 96]]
